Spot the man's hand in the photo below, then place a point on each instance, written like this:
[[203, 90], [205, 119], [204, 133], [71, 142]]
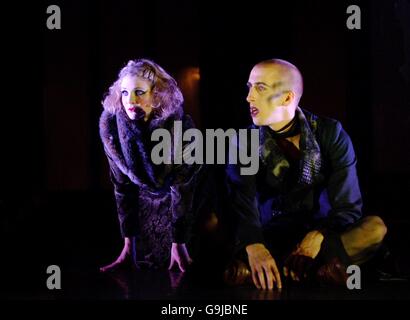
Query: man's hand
[[263, 267], [179, 256], [299, 262]]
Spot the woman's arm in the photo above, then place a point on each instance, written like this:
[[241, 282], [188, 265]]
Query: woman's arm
[[126, 196]]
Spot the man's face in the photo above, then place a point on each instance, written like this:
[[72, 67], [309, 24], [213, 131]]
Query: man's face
[[266, 95], [136, 96]]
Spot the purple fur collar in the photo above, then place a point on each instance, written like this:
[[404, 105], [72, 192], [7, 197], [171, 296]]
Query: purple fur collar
[[123, 141]]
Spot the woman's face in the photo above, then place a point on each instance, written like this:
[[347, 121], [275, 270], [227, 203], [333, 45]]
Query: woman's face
[[136, 97]]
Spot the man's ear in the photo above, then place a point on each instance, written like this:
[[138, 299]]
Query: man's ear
[[290, 96]]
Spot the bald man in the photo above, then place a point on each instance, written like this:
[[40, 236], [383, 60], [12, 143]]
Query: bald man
[[300, 216]]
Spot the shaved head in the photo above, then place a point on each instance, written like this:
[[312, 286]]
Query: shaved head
[[284, 74]]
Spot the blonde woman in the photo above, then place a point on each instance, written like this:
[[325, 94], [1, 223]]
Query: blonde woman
[[153, 201]]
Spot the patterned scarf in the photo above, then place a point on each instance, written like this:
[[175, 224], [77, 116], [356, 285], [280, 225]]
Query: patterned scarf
[[311, 159]]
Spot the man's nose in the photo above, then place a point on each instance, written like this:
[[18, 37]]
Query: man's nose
[[250, 98]]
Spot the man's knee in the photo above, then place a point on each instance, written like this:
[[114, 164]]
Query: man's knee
[[374, 228]]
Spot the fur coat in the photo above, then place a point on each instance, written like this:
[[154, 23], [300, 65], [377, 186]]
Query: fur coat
[[153, 201]]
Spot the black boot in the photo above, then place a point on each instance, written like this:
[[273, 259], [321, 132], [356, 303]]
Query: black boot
[[238, 273], [332, 261], [383, 266]]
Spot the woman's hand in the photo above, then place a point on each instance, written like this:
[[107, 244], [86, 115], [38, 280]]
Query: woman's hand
[[179, 256], [124, 259]]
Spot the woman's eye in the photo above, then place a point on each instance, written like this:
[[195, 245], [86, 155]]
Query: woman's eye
[[124, 93], [139, 92]]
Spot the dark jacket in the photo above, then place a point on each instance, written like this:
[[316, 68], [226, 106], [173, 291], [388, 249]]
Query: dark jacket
[[324, 195], [128, 145]]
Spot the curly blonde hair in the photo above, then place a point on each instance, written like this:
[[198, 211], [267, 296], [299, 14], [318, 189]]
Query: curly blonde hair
[[167, 97]]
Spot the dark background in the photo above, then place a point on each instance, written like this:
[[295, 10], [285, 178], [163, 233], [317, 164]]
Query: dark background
[[56, 202]]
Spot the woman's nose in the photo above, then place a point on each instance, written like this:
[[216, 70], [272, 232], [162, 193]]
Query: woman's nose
[[133, 99]]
